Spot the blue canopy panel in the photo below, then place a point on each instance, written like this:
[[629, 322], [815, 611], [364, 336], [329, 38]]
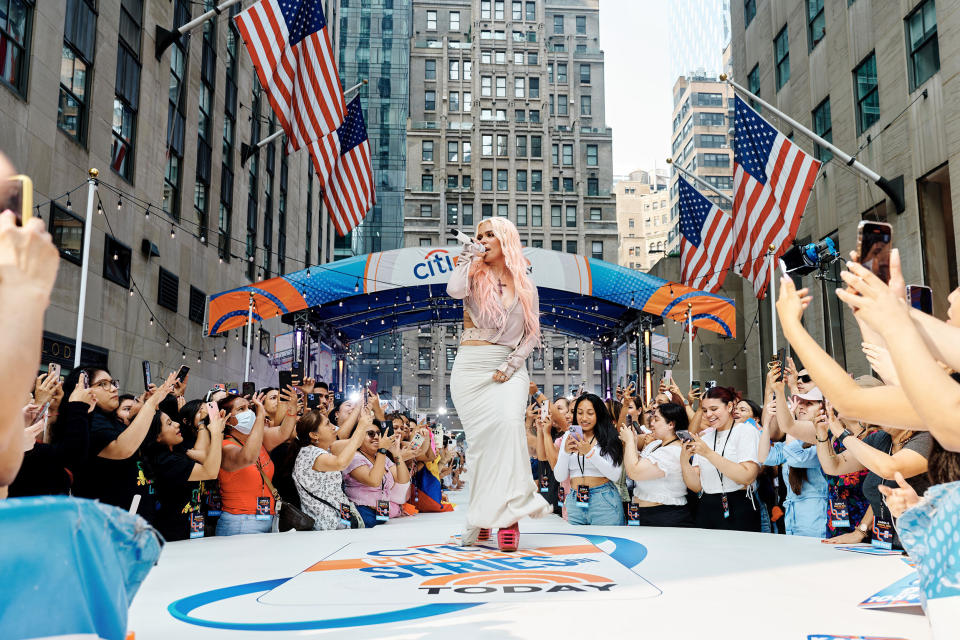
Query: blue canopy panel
[[387, 291]]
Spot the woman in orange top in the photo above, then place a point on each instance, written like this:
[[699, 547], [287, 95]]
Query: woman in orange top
[[248, 506]]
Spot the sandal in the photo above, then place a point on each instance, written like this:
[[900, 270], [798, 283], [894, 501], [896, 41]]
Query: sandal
[[508, 538]]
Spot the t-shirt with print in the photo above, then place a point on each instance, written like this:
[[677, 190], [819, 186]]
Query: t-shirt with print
[[115, 481], [177, 496], [739, 443], [922, 443]]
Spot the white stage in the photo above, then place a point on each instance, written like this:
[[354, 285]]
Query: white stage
[[565, 582]]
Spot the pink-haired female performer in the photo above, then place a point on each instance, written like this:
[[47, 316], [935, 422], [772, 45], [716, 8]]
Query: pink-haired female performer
[[489, 382]]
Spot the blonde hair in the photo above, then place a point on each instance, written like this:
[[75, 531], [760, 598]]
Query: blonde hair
[[484, 283]]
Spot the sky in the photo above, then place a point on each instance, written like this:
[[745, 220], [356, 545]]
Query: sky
[[633, 36]]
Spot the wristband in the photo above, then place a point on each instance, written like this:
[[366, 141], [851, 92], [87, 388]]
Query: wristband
[[843, 436], [383, 451]]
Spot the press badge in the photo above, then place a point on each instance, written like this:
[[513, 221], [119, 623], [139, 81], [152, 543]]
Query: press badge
[[583, 497], [263, 509], [383, 510], [196, 524], [561, 495], [345, 515], [882, 534], [839, 514], [544, 484], [726, 506], [633, 515], [214, 503]]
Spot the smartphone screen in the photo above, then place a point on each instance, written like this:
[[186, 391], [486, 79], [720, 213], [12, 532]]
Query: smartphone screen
[[286, 379], [54, 369], [296, 369], [17, 196], [182, 373], [684, 435], [920, 297], [372, 385], [212, 411], [249, 389], [874, 241], [147, 378]]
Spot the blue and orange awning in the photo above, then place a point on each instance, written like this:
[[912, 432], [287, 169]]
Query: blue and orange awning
[[382, 292]]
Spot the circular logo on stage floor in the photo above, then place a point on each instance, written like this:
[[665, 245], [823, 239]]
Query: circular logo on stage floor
[[361, 585]]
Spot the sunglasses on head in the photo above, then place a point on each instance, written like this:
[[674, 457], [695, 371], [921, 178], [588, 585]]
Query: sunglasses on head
[[804, 378]]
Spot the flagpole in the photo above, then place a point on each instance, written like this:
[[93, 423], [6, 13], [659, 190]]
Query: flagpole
[[850, 161], [701, 182], [164, 37], [690, 346], [247, 150], [85, 264], [773, 300]]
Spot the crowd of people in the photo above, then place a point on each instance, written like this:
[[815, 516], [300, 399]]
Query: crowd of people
[[218, 465]]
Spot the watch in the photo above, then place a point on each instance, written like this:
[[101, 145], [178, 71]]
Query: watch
[[383, 451], [862, 528], [843, 436]]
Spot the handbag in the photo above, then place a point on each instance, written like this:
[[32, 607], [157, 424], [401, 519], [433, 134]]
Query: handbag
[[288, 516], [356, 522]]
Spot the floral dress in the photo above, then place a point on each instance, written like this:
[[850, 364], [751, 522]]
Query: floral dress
[[327, 485], [848, 487]]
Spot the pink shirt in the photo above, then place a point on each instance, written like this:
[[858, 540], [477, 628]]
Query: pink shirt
[[360, 493], [508, 332]]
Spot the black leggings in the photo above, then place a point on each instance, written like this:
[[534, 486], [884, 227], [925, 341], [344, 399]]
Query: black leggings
[[665, 515], [743, 515]]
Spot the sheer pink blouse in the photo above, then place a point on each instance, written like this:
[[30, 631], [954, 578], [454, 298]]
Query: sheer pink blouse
[[509, 333]]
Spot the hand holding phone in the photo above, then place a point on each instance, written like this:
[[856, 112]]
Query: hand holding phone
[[17, 196], [684, 435], [147, 377], [874, 242]]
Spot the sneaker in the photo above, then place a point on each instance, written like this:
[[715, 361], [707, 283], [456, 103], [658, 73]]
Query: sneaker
[[484, 535]]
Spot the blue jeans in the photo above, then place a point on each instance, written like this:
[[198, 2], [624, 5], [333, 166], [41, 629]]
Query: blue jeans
[[369, 515], [604, 507], [234, 524]]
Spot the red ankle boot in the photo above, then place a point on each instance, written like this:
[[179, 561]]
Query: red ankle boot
[[508, 539]]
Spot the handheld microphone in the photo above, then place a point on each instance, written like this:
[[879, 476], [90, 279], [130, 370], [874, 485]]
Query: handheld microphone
[[465, 239]]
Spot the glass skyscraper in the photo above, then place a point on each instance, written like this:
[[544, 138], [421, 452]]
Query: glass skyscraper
[[374, 45], [699, 30]]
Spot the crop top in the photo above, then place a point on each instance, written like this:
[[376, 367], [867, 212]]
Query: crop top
[[509, 332], [595, 464]]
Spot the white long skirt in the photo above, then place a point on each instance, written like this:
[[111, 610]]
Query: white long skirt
[[502, 489]]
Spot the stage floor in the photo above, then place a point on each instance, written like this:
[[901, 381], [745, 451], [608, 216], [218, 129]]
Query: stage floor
[[404, 580]]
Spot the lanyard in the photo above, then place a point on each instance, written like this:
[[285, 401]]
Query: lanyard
[[667, 444], [383, 482], [582, 460], [716, 434]]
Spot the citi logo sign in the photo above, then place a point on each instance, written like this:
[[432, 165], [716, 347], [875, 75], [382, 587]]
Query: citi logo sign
[[435, 263]]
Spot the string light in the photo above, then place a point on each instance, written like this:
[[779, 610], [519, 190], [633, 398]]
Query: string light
[[173, 232], [356, 287], [167, 343], [183, 355], [146, 214], [69, 205], [151, 321], [119, 204], [99, 208], [131, 292]]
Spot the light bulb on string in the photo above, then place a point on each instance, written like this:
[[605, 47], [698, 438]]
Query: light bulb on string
[[356, 287], [69, 205], [173, 232], [119, 204], [167, 343], [198, 357], [131, 292], [151, 321], [115, 256], [183, 355], [146, 212], [99, 208]]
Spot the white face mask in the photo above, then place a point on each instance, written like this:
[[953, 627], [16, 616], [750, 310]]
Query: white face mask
[[245, 420]]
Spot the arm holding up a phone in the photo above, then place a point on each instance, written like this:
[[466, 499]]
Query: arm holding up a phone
[[209, 467], [286, 407], [132, 437]]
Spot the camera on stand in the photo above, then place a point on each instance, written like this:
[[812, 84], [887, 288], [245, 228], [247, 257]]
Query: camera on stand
[[801, 260]]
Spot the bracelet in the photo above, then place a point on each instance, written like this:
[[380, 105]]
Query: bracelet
[[819, 440], [291, 413]]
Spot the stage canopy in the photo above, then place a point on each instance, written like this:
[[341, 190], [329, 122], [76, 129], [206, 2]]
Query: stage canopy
[[365, 296]]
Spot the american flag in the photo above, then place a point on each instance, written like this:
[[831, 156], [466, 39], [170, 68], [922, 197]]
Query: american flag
[[342, 161], [706, 240], [772, 179], [290, 48]]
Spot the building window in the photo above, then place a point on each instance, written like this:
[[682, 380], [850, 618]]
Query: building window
[[167, 290], [558, 24], [562, 104], [573, 358], [426, 182], [426, 210], [568, 154], [521, 146], [198, 302], [581, 24], [116, 262], [426, 151], [571, 246], [76, 66], [176, 117], [486, 86], [467, 210], [591, 155], [586, 105], [126, 100], [502, 180], [16, 27], [519, 87], [556, 219], [922, 43], [568, 185], [823, 127], [584, 74], [536, 217], [429, 100], [816, 22], [431, 20], [486, 144], [781, 52], [534, 86], [571, 216], [453, 151], [558, 360], [596, 249], [424, 358], [536, 180], [521, 212], [749, 11], [486, 211], [454, 21], [561, 73], [486, 179], [430, 69], [753, 84], [453, 69], [521, 179], [453, 102], [501, 86], [593, 187], [531, 8], [67, 232], [423, 396], [866, 93], [502, 147]]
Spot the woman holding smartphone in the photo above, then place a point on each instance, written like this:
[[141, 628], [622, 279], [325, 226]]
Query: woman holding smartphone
[[660, 495], [721, 462], [489, 382], [591, 456]]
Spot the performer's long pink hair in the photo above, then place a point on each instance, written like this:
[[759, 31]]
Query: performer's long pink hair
[[484, 282]]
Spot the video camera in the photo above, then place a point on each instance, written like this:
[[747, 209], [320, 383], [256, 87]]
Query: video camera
[[803, 259]]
